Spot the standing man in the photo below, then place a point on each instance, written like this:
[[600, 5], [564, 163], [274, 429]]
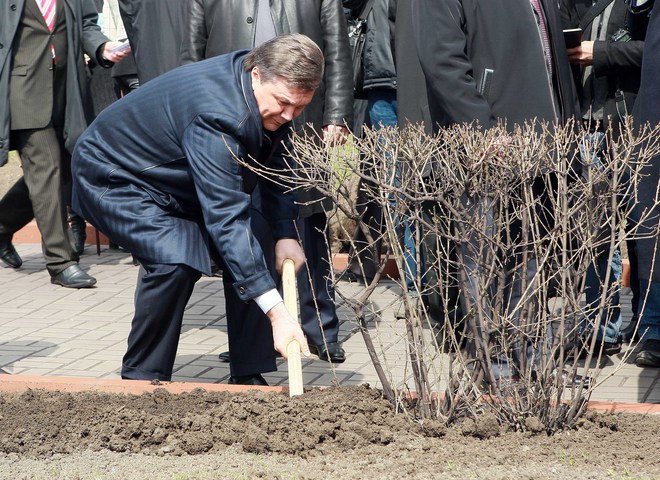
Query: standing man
[[491, 60], [215, 27], [45, 104], [607, 67], [648, 248], [159, 172]]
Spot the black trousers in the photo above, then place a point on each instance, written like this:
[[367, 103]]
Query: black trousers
[[250, 333], [161, 296], [318, 314]]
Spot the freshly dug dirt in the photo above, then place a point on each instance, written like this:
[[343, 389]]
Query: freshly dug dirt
[[346, 432]]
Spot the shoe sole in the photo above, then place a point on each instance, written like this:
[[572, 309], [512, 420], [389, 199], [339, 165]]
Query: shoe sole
[[75, 285]]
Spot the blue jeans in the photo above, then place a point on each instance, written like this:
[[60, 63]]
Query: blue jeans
[[382, 108], [610, 324], [649, 320]]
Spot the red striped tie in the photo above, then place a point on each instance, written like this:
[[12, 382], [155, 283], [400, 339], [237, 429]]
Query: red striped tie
[[47, 8], [545, 38]]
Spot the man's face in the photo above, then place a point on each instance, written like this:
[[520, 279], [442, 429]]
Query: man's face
[[278, 103]]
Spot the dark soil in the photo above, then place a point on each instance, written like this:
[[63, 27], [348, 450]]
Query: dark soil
[[347, 432]]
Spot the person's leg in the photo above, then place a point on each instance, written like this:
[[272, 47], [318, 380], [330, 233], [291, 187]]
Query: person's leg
[[630, 333], [382, 110], [610, 319], [649, 324], [45, 172], [15, 210], [250, 333], [318, 312], [161, 297]]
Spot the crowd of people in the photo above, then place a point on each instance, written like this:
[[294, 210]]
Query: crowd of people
[[207, 82]]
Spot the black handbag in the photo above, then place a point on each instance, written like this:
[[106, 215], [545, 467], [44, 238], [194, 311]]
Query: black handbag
[[357, 35]]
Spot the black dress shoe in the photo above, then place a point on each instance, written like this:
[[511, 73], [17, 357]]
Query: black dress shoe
[[73, 277], [248, 380], [332, 352], [9, 255], [648, 354]]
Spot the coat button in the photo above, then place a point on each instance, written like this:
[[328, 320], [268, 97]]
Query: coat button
[[249, 20], [241, 290], [13, 6]]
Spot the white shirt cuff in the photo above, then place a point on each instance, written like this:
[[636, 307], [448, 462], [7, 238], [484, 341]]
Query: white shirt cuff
[[268, 300]]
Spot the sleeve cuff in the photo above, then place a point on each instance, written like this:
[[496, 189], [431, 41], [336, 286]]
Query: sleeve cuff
[[268, 300]]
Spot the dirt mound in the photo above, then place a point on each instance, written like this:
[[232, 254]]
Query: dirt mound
[[346, 432], [39, 422]]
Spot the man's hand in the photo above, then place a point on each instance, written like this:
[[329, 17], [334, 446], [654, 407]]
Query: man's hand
[[116, 56], [289, 248], [336, 134], [582, 55], [285, 330]]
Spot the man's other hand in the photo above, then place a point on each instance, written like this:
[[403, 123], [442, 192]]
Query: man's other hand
[[289, 248]]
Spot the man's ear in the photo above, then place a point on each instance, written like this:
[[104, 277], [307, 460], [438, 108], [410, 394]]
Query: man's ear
[[256, 76]]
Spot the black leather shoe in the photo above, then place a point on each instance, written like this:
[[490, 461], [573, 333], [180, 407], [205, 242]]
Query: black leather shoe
[[332, 352], [649, 354], [248, 380], [79, 230], [73, 277], [9, 255]]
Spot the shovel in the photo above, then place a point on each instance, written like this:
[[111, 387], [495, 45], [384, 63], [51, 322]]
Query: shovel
[[293, 348]]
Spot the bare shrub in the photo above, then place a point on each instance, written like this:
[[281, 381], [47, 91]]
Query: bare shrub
[[512, 218]]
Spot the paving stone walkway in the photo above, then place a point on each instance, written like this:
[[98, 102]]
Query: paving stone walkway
[[50, 330]]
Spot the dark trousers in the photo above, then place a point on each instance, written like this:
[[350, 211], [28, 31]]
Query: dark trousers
[[318, 313], [162, 293], [250, 333], [161, 297], [43, 194]]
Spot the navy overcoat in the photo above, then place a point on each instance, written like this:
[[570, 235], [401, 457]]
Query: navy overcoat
[[156, 172]]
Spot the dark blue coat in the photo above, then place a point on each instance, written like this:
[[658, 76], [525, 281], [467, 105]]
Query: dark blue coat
[[156, 172]]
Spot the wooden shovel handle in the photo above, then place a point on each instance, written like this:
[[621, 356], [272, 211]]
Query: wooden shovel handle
[[293, 348]]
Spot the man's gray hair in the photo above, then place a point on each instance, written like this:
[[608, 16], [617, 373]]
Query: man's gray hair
[[293, 57]]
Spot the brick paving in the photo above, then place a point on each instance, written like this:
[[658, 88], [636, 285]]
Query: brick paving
[[54, 331]]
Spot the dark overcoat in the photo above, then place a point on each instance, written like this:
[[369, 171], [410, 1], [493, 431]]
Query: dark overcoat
[[157, 172], [461, 41], [648, 250]]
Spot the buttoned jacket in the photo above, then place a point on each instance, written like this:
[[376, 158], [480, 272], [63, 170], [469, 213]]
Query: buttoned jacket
[[158, 171]]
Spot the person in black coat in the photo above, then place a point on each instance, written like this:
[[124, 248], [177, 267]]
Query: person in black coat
[[485, 61], [158, 171], [155, 31], [648, 250], [607, 68]]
